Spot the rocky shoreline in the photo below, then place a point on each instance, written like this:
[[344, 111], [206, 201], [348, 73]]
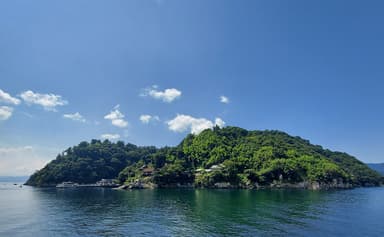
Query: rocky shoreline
[[308, 185]]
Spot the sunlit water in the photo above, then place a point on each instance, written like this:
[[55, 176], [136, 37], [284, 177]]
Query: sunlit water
[[36, 212]]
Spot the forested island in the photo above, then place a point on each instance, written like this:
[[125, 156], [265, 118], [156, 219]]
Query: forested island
[[229, 157]]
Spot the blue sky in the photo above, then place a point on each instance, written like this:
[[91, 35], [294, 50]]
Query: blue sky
[[76, 70]]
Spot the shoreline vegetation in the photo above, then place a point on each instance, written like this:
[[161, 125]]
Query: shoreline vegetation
[[229, 157]]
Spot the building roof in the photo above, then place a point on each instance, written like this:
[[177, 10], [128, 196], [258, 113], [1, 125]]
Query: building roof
[[148, 170]]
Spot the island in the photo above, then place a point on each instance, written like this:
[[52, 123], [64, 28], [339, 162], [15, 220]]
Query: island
[[229, 157]]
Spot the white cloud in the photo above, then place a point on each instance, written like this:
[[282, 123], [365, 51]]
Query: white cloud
[[182, 123], [7, 98], [219, 122], [224, 99], [121, 123], [116, 117], [5, 112], [168, 95], [48, 101], [110, 136], [76, 117], [146, 118], [24, 160]]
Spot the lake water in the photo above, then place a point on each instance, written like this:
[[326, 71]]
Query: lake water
[[36, 212]]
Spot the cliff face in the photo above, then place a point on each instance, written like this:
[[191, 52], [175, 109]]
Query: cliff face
[[219, 158]]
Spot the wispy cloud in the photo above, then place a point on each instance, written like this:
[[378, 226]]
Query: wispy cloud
[[182, 123], [28, 114], [110, 136], [146, 118], [168, 95], [224, 99], [47, 101], [75, 117], [23, 160], [5, 112], [116, 117], [7, 98]]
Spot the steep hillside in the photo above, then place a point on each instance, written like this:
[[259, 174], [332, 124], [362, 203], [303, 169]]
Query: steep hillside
[[227, 157], [90, 162], [244, 158]]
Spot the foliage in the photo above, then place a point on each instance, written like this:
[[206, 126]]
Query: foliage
[[268, 156], [90, 162], [231, 155]]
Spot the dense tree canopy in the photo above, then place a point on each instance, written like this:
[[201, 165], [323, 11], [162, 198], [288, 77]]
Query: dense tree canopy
[[90, 162], [231, 154]]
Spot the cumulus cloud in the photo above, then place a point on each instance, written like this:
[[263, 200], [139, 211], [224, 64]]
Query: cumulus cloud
[[75, 117], [47, 101], [116, 117], [5, 112], [7, 98], [110, 136], [224, 99], [24, 160], [146, 118], [182, 123], [219, 122], [168, 95]]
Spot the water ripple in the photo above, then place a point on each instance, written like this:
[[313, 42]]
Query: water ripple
[[102, 212]]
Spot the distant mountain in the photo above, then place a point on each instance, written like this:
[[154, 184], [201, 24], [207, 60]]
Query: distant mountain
[[16, 179], [219, 157], [379, 167]]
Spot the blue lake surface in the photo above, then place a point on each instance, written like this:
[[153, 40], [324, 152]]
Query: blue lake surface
[[29, 211]]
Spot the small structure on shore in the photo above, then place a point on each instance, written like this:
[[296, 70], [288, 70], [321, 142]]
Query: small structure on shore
[[67, 185], [106, 183], [148, 171], [212, 168]]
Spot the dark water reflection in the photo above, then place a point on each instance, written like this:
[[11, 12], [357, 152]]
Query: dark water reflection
[[103, 212]]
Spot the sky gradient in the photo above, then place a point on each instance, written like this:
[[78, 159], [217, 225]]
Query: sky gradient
[[149, 72]]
